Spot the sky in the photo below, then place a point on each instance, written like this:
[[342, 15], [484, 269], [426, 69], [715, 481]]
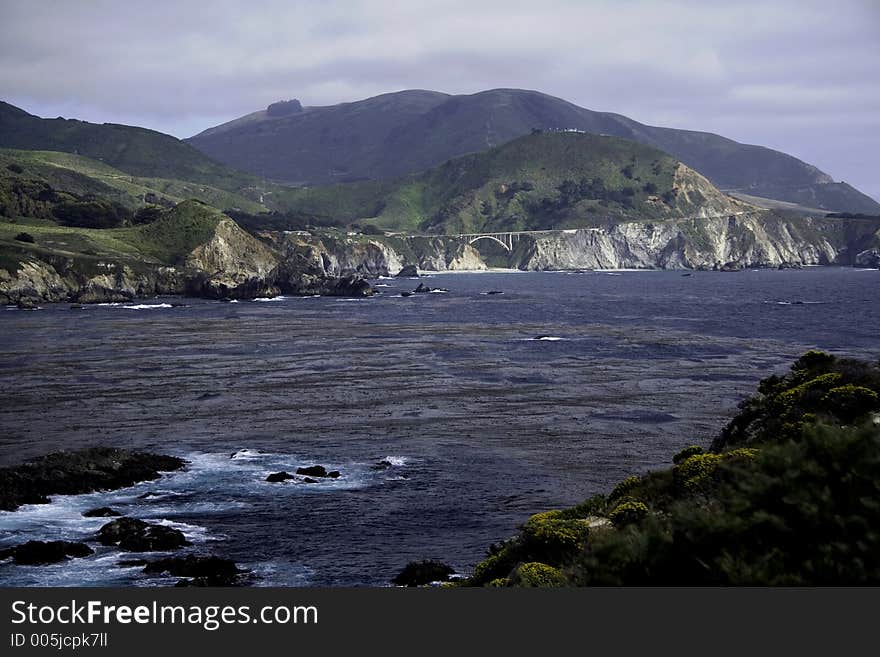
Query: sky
[[799, 76]]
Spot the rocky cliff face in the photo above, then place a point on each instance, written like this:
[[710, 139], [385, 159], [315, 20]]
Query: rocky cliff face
[[749, 238], [229, 264], [232, 264]]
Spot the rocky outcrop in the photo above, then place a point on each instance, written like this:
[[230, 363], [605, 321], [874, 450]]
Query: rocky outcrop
[[420, 573], [748, 240], [232, 264], [197, 570], [40, 553], [85, 471], [317, 471], [134, 535], [276, 477], [101, 512], [868, 258]]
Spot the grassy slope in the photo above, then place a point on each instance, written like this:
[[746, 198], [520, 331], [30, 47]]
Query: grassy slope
[[166, 241], [82, 176], [505, 188]]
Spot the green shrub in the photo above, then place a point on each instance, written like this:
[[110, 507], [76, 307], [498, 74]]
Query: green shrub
[[822, 382], [550, 537], [15, 168], [594, 506], [693, 472], [688, 452], [370, 229], [628, 513], [813, 360], [851, 402], [147, 215], [538, 575], [92, 214], [495, 566], [624, 488]]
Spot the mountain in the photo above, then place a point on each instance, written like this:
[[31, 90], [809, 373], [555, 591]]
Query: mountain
[[409, 131], [544, 180], [135, 151]]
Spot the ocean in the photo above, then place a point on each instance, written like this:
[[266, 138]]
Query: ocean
[[451, 416]]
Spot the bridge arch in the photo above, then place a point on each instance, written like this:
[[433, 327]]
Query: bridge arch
[[506, 246]]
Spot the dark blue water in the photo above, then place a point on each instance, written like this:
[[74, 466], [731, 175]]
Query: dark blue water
[[483, 423]]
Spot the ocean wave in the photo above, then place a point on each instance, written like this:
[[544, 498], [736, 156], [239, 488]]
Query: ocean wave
[[271, 299], [148, 306]]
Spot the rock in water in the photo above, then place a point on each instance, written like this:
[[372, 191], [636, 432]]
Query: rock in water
[[348, 286], [424, 289], [102, 512], [869, 258], [313, 471], [135, 535], [202, 570], [409, 271], [84, 471], [279, 476], [40, 553], [419, 573]]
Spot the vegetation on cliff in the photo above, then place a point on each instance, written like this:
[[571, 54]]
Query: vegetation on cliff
[[788, 494]]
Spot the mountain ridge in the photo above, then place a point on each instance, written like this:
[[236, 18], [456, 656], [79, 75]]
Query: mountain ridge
[[404, 132], [136, 151]]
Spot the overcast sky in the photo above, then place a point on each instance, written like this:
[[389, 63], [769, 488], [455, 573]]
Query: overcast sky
[[800, 76]]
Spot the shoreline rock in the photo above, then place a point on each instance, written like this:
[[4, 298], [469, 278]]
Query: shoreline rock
[[42, 553], [134, 535], [197, 570], [77, 472]]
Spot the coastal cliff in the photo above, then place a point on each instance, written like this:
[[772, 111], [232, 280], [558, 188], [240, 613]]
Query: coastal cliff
[[192, 250], [748, 239]]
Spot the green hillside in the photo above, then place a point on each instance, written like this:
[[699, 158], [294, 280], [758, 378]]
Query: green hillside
[[135, 151], [32, 182], [549, 180], [165, 241]]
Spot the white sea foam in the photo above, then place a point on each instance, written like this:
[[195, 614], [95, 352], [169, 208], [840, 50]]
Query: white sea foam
[[547, 338], [271, 299], [148, 306], [396, 460]]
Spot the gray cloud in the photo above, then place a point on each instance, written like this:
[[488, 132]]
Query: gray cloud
[[800, 76]]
